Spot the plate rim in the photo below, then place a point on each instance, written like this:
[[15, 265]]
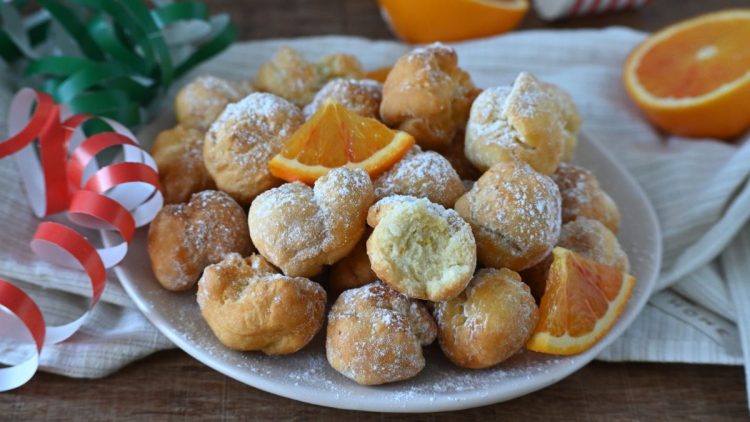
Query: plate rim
[[471, 399]]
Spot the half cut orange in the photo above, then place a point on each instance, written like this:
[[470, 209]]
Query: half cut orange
[[693, 78]]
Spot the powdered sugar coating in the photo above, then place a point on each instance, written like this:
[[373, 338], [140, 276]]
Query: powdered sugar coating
[[423, 174], [185, 238], [198, 103], [300, 229], [515, 214], [428, 95], [520, 122], [361, 96], [244, 138], [375, 335], [583, 197], [489, 322], [595, 241]]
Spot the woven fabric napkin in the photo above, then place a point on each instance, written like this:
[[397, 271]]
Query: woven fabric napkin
[[698, 188]]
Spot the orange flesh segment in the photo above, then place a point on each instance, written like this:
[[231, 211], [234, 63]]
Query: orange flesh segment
[[336, 137], [698, 61], [582, 301]]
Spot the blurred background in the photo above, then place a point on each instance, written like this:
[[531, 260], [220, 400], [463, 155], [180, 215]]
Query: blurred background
[[292, 18]]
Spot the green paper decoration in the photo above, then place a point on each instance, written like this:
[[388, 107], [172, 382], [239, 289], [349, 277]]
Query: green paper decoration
[[111, 58]]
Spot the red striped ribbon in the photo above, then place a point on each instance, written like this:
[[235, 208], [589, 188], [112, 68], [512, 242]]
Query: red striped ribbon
[[65, 176]]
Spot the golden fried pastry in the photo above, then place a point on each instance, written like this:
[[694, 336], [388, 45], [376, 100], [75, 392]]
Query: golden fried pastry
[[184, 238], [586, 237], [521, 122], [420, 248], [423, 174], [178, 153], [300, 229], [244, 138], [250, 306], [289, 76], [515, 215], [583, 197], [353, 270], [488, 322], [571, 118], [361, 96], [375, 335], [339, 65], [201, 101], [428, 95], [456, 155]]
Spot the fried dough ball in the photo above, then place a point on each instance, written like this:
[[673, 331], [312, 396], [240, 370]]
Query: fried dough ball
[[420, 248], [584, 236], [300, 229], [375, 335], [289, 76], [456, 155], [423, 174], [353, 270], [428, 95], [340, 65], [583, 197], [571, 118], [178, 153], [518, 122], [184, 238], [515, 215], [488, 322], [250, 306], [201, 101], [243, 140], [361, 96]]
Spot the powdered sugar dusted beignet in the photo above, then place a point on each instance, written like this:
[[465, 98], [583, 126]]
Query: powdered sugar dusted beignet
[[300, 229], [427, 95], [488, 322], [361, 96], [515, 215], [243, 140], [250, 306], [422, 174], [420, 248], [520, 122], [201, 101], [184, 238], [178, 153], [289, 76], [583, 197], [375, 335]]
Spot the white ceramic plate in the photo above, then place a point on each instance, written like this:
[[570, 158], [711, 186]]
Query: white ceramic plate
[[306, 375]]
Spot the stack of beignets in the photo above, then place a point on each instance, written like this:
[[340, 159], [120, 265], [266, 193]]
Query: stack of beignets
[[489, 183]]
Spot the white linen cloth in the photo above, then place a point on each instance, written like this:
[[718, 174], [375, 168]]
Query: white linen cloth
[[698, 188]]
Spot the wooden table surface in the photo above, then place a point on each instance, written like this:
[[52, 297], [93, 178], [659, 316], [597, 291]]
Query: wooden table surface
[[173, 386]]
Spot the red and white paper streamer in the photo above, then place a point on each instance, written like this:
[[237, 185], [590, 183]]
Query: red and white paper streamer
[[558, 9], [67, 175]]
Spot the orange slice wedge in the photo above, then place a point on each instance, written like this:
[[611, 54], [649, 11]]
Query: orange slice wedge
[[336, 137], [582, 301], [693, 78], [423, 21]]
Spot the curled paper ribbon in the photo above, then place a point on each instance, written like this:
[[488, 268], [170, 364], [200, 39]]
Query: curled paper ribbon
[[76, 174]]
